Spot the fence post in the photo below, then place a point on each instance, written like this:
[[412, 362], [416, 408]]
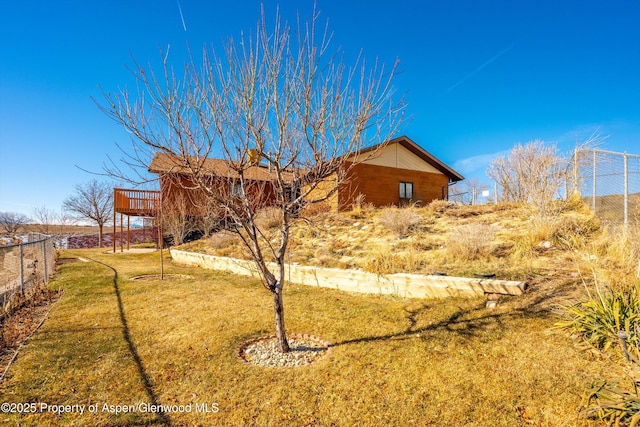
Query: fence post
[[626, 192], [593, 204], [45, 264], [576, 171], [21, 268]]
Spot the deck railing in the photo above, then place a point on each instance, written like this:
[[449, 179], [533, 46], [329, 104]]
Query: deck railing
[[136, 202]]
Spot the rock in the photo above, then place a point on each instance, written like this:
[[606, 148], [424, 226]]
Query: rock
[[265, 352]]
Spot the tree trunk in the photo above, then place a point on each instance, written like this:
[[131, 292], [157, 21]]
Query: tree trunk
[[278, 309], [100, 236]]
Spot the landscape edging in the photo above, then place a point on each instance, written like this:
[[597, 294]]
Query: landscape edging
[[399, 284]]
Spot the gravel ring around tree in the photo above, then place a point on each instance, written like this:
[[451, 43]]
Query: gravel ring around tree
[[264, 351]]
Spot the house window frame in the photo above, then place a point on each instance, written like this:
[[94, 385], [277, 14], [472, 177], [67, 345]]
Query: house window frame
[[405, 190]]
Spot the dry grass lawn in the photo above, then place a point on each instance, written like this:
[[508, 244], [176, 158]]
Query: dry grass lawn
[[115, 341]]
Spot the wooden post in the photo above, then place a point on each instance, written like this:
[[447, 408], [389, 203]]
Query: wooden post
[[113, 236], [121, 232], [128, 231]]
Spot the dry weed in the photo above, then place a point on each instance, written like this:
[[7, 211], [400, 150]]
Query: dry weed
[[222, 240], [268, 219], [470, 241], [399, 220], [615, 256], [440, 205], [358, 206], [316, 209], [381, 261]]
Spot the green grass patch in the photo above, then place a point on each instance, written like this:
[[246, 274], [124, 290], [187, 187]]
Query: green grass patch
[[115, 341]]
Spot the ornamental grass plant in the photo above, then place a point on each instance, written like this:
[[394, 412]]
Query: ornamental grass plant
[[605, 313]]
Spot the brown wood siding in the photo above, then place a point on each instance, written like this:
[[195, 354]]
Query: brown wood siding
[[380, 185], [175, 187]]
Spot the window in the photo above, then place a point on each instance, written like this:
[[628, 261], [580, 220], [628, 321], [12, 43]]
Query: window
[[236, 189], [291, 193], [406, 190]]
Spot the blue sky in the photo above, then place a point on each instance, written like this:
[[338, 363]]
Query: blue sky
[[479, 76]]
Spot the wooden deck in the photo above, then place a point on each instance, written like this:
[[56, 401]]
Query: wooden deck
[[136, 202], [144, 203]]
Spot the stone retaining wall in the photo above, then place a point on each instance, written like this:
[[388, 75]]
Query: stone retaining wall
[[400, 284]]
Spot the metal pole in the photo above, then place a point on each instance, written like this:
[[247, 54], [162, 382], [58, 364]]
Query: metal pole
[[575, 171], [593, 204], [626, 192], [157, 216], [21, 268], [161, 240], [44, 261]]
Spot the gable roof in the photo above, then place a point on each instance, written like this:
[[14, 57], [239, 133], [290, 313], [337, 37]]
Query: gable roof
[[423, 154], [173, 164]]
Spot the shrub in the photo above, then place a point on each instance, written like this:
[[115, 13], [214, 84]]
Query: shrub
[[316, 209], [222, 240], [399, 220], [470, 241], [268, 219], [440, 206], [614, 403], [606, 312], [381, 261], [358, 206]]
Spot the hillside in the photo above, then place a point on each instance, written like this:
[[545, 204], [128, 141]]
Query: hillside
[[506, 240]]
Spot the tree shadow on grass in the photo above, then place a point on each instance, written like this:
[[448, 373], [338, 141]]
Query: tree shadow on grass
[[148, 386], [465, 322]]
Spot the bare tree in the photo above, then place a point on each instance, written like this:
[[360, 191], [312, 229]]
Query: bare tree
[[582, 157], [474, 187], [466, 192], [176, 218], [530, 173], [13, 222], [52, 223], [282, 113], [44, 219], [92, 201]]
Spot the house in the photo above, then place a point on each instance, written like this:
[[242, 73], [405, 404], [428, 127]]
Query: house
[[179, 192], [396, 173]]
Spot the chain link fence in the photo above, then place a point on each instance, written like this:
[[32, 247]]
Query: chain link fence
[[474, 195], [609, 182], [25, 265]]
